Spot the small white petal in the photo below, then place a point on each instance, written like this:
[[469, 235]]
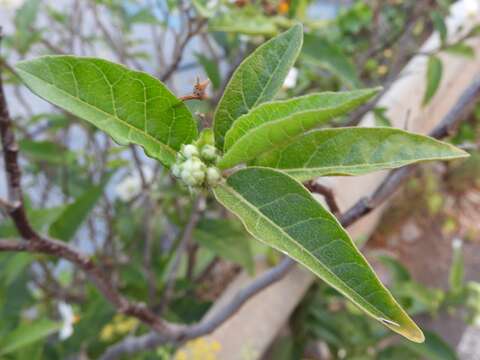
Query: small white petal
[[457, 243], [291, 79], [68, 317]]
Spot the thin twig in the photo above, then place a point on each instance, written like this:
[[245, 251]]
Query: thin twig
[[327, 193]]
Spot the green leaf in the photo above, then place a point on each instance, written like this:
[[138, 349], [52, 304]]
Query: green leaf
[[380, 118], [211, 69], [398, 272], [244, 21], [461, 49], [25, 19], [439, 24], [355, 151], [434, 348], [40, 219], [271, 124], [320, 52], [226, 240], [203, 9], [27, 334], [70, 220], [434, 76], [280, 212], [131, 106], [47, 151], [457, 269], [257, 79]]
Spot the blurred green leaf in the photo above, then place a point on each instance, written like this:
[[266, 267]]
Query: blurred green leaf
[[434, 348], [380, 118], [461, 49], [398, 272], [439, 24], [70, 220], [320, 52], [434, 76], [226, 239], [243, 21], [457, 271], [13, 265], [203, 8], [40, 219], [25, 19], [46, 151], [211, 69], [27, 334]]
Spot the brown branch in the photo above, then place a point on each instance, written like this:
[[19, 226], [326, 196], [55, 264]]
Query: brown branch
[[36, 243], [180, 48], [327, 193]]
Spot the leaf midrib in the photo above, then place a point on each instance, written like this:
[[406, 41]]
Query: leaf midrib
[[260, 214], [274, 122], [114, 116], [394, 163]]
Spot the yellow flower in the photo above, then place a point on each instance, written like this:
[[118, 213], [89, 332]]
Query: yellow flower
[[107, 333]]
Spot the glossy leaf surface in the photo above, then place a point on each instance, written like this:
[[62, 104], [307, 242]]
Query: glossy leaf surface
[[272, 124], [280, 212], [355, 151], [131, 106], [257, 79]]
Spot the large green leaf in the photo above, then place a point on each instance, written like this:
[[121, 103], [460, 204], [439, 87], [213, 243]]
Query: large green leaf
[[320, 52], [70, 220], [274, 123], [226, 240], [279, 211], [27, 334], [355, 151], [131, 106], [257, 79]]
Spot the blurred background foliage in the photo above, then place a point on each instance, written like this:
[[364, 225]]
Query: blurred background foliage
[[126, 210]]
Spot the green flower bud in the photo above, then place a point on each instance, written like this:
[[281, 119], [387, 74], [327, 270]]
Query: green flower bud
[[209, 152], [176, 170], [189, 151], [188, 178], [213, 176]]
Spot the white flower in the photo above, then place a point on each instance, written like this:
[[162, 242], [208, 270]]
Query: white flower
[[465, 9], [291, 79], [457, 243], [212, 4], [128, 188], [11, 4], [68, 319], [131, 185]]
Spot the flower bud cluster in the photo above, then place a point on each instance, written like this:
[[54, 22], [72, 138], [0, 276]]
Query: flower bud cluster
[[196, 167]]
